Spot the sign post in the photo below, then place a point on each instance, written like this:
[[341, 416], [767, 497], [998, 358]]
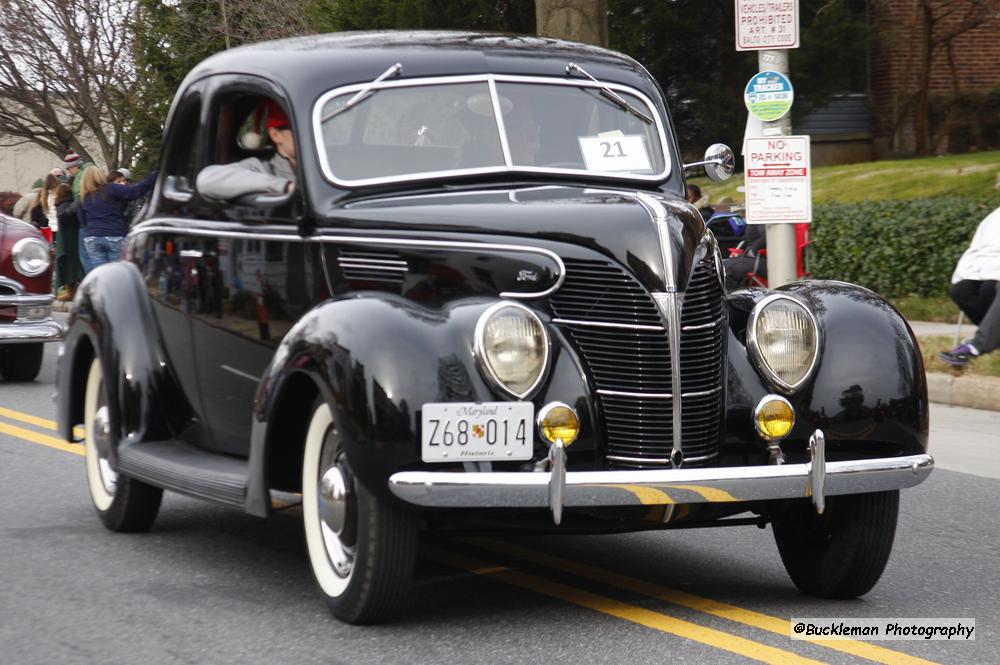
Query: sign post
[[769, 28]]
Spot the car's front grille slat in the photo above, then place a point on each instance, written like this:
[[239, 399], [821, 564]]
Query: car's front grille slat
[[597, 304]]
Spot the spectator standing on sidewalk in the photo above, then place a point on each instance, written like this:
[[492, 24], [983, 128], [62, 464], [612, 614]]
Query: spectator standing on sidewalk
[[974, 290], [100, 213], [75, 166], [69, 269], [28, 200]]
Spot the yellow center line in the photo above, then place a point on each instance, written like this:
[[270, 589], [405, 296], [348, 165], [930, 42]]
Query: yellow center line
[[633, 613], [35, 420], [690, 601], [38, 437]]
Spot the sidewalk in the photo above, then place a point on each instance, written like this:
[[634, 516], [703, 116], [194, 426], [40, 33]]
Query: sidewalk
[[975, 392]]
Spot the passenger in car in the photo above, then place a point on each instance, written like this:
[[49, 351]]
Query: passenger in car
[[255, 175]]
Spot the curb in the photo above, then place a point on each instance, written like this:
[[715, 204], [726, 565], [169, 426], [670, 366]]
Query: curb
[[974, 392]]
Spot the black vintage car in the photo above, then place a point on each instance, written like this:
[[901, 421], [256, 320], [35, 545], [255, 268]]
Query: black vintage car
[[478, 299]]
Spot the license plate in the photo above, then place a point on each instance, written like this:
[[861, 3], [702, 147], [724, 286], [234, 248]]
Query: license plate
[[471, 432]]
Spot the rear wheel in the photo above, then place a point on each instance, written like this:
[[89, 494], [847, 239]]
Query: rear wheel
[[361, 548], [843, 552], [21, 362], [123, 503]]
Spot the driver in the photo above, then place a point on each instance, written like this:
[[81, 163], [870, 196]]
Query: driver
[[254, 175]]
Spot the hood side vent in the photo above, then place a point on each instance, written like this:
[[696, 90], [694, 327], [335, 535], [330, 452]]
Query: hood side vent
[[385, 267]]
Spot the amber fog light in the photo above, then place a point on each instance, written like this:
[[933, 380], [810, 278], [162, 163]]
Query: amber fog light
[[773, 418], [557, 421]]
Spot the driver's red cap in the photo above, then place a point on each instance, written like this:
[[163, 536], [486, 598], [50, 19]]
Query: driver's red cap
[[274, 115]]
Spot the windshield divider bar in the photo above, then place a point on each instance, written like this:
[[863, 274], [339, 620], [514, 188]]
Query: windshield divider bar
[[501, 127]]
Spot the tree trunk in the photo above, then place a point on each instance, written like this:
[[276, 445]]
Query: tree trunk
[[577, 20]]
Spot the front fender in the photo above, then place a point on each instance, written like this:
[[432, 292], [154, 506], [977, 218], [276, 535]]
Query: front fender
[[868, 392], [112, 319], [376, 358]]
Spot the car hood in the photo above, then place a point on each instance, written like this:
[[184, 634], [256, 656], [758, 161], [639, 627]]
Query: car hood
[[655, 235]]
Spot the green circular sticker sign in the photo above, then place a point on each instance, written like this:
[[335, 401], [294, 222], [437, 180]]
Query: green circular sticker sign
[[768, 96]]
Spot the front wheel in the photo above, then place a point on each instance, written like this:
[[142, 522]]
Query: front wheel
[[21, 362], [122, 503], [843, 552], [361, 548]]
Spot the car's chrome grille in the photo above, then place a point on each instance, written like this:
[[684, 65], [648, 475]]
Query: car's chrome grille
[[615, 324]]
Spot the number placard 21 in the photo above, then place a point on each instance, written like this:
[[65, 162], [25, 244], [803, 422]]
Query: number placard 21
[[615, 153]]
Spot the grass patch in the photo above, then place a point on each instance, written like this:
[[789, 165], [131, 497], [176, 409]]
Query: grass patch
[[972, 175], [916, 308], [986, 365]]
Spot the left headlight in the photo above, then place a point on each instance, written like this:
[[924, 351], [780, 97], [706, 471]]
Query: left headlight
[[783, 340], [30, 256], [513, 347]]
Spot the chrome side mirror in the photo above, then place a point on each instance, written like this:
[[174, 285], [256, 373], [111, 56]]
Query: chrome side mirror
[[719, 162]]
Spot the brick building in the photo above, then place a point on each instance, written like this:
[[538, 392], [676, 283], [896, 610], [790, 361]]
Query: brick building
[[921, 79]]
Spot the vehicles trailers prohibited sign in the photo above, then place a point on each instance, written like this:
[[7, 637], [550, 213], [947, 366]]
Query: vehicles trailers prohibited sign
[[778, 180], [767, 24]]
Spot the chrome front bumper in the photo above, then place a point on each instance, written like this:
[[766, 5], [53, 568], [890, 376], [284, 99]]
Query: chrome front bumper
[[29, 326], [815, 479]]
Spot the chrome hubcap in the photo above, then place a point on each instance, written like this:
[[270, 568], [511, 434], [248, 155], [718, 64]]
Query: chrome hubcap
[[102, 441], [337, 509]]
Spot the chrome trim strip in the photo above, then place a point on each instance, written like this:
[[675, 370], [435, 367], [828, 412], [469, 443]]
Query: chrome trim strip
[[670, 308], [22, 331], [381, 262], [527, 489], [28, 300], [13, 284], [375, 267], [659, 460], [604, 324], [754, 346], [317, 127], [622, 393], [153, 227], [701, 326], [655, 209]]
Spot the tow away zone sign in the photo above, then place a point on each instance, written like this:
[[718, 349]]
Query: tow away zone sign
[[778, 180]]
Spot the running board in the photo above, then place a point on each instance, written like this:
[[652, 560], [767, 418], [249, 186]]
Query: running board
[[197, 473]]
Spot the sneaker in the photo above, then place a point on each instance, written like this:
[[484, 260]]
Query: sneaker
[[960, 355]]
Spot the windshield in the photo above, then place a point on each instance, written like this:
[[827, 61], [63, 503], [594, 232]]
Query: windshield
[[482, 124]]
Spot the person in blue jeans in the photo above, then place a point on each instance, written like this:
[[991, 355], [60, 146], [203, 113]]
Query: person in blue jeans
[[102, 223]]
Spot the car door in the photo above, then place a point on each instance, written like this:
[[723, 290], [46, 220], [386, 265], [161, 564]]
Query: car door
[[164, 257], [250, 282]]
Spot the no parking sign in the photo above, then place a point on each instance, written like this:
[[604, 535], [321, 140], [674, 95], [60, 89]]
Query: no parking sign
[[778, 180]]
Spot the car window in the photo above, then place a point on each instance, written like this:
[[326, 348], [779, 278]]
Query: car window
[[180, 160], [413, 129]]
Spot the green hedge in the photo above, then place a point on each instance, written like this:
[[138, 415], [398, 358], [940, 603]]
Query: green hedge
[[895, 247]]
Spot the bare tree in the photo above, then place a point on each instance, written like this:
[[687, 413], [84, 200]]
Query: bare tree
[[933, 30], [66, 76]]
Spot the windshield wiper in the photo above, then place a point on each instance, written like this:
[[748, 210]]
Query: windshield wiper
[[610, 94], [364, 92]]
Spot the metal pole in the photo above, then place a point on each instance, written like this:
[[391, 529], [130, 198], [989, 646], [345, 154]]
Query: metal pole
[[781, 263]]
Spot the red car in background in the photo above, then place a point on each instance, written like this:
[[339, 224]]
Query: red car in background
[[25, 299]]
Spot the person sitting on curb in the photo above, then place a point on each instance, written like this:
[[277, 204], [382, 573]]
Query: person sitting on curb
[[974, 290], [255, 175]]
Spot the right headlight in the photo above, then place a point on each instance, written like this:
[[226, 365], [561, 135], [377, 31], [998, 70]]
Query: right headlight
[[30, 256], [513, 347], [783, 340]]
